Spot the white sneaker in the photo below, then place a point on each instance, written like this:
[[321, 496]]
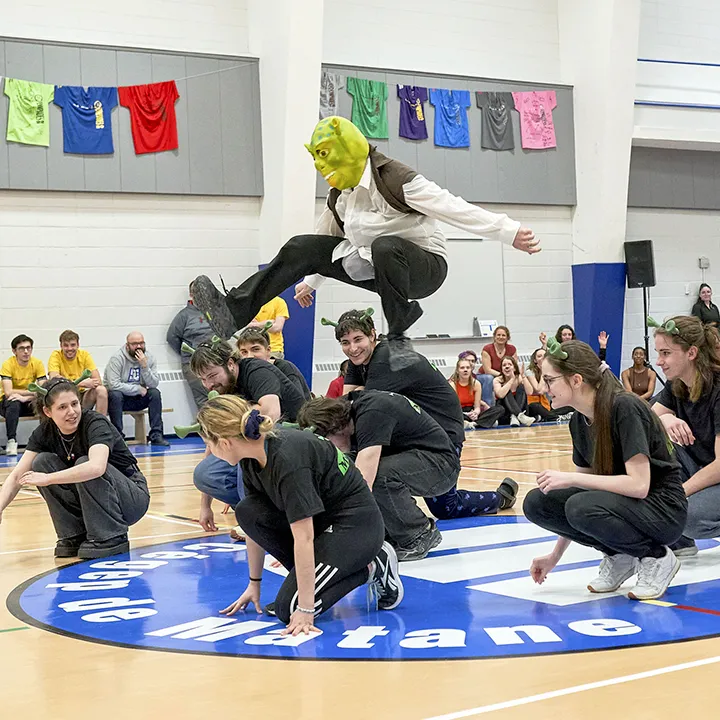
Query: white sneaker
[[514, 422], [526, 419], [11, 448], [614, 571], [654, 576]]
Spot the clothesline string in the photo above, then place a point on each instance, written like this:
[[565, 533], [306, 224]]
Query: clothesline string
[[210, 72]]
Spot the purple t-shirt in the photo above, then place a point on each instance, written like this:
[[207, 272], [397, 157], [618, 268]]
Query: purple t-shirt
[[412, 113]]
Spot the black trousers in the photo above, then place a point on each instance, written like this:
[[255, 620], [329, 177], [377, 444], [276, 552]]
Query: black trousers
[[609, 522], [342, 553], [12, 411], [402, 271], [536, 409], [152, 401], [512, 404], [487, 418]]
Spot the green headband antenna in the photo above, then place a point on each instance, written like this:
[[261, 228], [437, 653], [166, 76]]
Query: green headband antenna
[[182, 431], [669, 325], [214, 342], [368, 312], [555, 350], [40, 390]]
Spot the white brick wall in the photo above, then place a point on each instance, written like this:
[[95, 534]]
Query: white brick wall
[[104, 265], [202, 26], [511, 39], [679, 239]]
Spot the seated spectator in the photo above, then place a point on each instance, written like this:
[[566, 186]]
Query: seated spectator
[[254, 342], [639, 379], [510, 394], [335, 389], [190, 326], [704, 308], [494, 352], [132, 380], [486, 381], [71, 362], [536, 388], [17, 372], [475, 410], [566, 332], [277, 311]]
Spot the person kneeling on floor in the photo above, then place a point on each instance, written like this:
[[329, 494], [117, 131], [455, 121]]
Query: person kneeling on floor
[[85, 473], [308, 506]]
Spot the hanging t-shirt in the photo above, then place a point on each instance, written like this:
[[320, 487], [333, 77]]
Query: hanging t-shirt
[[497, 129], [87, 123], [330, 84], [369, 110], [412, 113], [451, 120], [28, 120], [536, 121], [152, 115]]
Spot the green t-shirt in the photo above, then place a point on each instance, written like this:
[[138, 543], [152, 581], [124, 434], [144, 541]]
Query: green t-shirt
[[369, 111], [28, 120]]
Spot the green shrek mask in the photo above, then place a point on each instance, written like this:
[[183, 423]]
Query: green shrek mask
[[340, 152]]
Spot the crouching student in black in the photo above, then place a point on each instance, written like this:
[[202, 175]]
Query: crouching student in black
[[308, 506], [401, 452], [85, 473]]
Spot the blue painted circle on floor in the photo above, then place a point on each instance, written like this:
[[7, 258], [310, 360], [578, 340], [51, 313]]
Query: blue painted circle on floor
[[471, 598]]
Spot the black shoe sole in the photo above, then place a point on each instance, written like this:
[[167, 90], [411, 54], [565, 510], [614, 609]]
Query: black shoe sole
[[66, 552], [211, 302], [394, 573], [437, 539], [92, 553]]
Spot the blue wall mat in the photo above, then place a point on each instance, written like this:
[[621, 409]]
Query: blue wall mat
[[299, 333], [599, 304]]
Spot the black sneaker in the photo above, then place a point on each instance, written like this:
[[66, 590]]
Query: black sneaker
[[269, 609], [402, 354], [69, 547], [422, 546], [387, 578], [92, 549], [211, 302], [507, 490], [159, 441], [684, 547]]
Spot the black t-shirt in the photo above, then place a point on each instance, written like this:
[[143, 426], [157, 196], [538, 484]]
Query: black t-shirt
[[292, 372], [706, 314], [634, 432], [702, 416], [420, 382], [257, 378], [395, 422], [305, 476], [94, 429]]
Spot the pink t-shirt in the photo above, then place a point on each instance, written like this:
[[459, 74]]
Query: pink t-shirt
[[536, 122]]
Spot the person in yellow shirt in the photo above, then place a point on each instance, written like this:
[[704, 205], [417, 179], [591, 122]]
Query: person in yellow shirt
[[277, 311], [16, 373], [70, 362]]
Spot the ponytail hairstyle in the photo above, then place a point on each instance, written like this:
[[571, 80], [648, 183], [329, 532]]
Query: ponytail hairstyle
[[455, 377], [686, 331], [574, 357], [45, 395], [230, 416]]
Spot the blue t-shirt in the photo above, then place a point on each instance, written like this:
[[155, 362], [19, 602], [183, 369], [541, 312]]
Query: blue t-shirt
[[87, 125], [451, 120]]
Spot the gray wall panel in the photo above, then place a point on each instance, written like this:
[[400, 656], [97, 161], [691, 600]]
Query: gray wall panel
[[256, 137], [204, 133], [518, 176], [238, 155], [4, 179]]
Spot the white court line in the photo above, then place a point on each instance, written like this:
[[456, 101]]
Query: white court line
[[173, 520], [499, 470], [520, 447], [517, 442], [485, 709]]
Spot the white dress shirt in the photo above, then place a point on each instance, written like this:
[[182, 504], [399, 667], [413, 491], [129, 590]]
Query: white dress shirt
[[367, 216]]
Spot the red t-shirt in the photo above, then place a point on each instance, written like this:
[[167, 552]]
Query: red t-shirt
[[152, 115], [336, 388], [495, 361]]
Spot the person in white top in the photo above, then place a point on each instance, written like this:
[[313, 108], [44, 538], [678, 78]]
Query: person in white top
[[379, 231]]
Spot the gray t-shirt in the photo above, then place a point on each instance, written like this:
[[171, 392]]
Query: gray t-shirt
[[497, 129], [330, 85]]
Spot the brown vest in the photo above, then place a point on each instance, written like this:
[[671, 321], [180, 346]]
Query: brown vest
[[389, 176]]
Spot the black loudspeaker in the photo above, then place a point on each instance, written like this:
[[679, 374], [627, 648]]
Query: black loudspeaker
[[640, 263]]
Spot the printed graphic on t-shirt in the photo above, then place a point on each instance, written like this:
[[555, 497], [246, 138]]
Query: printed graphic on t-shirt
[[134, 375], [536, 122]]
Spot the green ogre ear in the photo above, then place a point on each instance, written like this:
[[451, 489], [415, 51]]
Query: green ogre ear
[[554, 349]]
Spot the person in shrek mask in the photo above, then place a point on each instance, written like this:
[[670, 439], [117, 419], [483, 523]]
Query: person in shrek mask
[[380, 231]]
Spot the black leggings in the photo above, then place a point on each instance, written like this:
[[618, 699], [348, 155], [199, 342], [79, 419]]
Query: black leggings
[[538, 410], [403, 270], [342, 554], [12, 411], [512, 404], [609, 522]]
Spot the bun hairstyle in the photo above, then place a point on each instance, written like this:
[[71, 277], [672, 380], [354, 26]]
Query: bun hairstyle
[[230, 416], [574, 357], [46, 394], [688, 331]]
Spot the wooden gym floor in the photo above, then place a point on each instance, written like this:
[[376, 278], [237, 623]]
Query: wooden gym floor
[[46, 675]]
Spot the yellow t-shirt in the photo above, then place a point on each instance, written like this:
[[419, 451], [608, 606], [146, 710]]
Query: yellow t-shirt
[[277, 307], [21, 376], [71, 369]]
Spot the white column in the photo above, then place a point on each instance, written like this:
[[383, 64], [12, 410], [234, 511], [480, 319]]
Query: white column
[[598, 54], [287, 37]]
